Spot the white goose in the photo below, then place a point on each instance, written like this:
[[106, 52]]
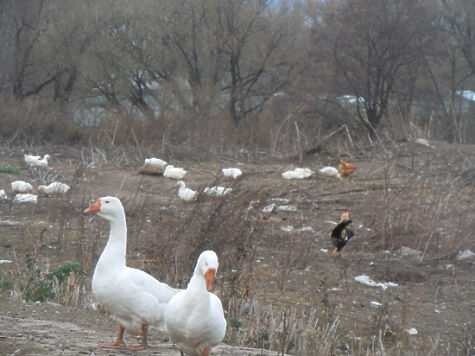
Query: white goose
[[156, 162], [330, 171], [54, 188], [134, 298], [232, 172], [185, 193], [36, 161], [174, 172], [20, 186], [298, 173], [194, 317]]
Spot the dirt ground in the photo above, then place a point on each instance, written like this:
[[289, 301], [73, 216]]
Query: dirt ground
[[411, 216]]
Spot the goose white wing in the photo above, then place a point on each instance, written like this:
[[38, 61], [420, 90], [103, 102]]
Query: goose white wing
[[162, 291], [131, 296]]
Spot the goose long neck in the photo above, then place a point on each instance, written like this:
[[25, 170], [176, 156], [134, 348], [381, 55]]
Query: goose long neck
[[115, 251], [197, 283]]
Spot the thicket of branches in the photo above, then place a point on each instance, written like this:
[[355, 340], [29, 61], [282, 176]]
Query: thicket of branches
[[240, 71]]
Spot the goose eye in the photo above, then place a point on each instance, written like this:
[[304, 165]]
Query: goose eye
[[107, 201]]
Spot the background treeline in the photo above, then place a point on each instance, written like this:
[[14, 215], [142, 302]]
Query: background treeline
[[236, 73]]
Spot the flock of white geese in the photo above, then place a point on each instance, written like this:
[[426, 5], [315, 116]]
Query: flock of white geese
[[192, 317]]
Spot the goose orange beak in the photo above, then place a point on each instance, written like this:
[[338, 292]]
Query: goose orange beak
[[93, 208], [210, 276]]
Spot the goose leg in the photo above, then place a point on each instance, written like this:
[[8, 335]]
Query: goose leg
[[205, 352], [144, 344], [117, 344]]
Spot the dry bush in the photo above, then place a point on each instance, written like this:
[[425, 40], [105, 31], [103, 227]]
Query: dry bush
[[222, 224], [420, 205], [36, 120]]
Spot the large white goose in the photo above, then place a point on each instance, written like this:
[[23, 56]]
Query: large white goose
[[194, 316], [134, 298]]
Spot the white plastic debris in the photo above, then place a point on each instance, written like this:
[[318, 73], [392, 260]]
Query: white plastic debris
[[423, 142], [268, 208], [324, 250], [287, 208], [409, 252], [217, 191], [3, 194], [25, 198], [287, 228], [412, 331], [2, 262], [375, 304], [280, 200], [463, 255], [305, 229], [366, 280]]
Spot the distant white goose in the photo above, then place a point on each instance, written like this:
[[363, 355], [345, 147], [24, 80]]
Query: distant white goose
[[25, 198], [330, 171], [156, 162], [185, 193], [174, 172], [298, 173], [54, 188], [194, 317], [232, 172], [20, 186], [37, 161], [3, 194], [217, 191]]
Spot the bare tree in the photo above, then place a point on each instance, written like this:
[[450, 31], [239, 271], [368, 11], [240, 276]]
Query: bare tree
[[372, 43]]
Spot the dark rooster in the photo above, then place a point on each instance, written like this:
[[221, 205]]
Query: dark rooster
[[341, 234]]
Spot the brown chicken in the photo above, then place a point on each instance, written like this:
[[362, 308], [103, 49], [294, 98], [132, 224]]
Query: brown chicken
[[346, 168]]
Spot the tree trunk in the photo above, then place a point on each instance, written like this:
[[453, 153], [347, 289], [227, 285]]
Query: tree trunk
[[7, 39]]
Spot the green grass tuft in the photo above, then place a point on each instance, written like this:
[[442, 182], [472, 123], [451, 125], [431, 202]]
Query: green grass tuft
[[9, 169]]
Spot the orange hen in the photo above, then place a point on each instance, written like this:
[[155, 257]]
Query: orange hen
[[346, 168]]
